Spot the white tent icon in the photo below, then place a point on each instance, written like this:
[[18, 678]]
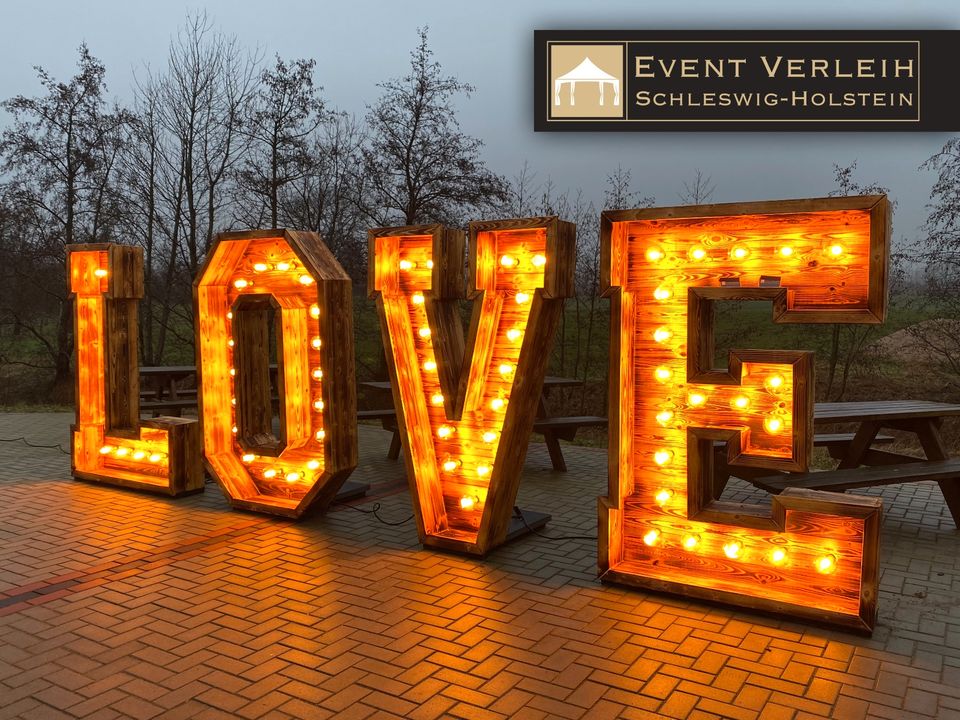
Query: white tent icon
[[586, 72]]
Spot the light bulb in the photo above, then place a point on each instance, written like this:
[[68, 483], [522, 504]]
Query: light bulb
[[697, 252], [444, 431], [106, 449], [314, 311], [826, 564], [305, 280], [468, 502], [786, 251], [651, 537], [320, 435], [739, 252], [506, 369], [429, 366], [662, 374], [313, 465], [292, 477], [248, 458], [774, 382], [696, 399], [451, 465], [230, 342], [662, 293], [691, 541], [240, 284], [654, 254], [316, 343], [233, 372], [489, 436], [417, 298], [269, 473], [123, 452], [664, 416], [424, 332], [539, 260], [662, 457], [406, 265], [521, 298], [733, 549], [317, 374], [155, 457], [740, 402], [835, 250], [497, 403], [283, 266], [436, 399], [513, 334], [661, 335], [429, 264], [318, 405], [483, 470], [773, 425], [778, 556], [261, 267], [234, 429], [100, 273], [663, 497], [508, 260], [139, 455], [230, 316]]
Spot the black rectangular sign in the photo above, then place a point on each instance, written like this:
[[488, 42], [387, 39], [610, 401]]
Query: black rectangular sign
[[746, 80]]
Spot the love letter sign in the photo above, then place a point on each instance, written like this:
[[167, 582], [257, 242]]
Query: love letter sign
[[466, 406], [663, 524], [290, 281]]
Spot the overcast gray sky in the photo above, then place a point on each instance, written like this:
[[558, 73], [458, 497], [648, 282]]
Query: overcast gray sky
[[490, 44]]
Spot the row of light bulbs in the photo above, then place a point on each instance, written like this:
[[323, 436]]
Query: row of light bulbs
[[699, 253], [135, 454]]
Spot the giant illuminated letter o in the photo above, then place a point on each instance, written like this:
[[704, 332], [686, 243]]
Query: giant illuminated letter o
[[466, 406], [291, 280], [663, 524], [109, 442]]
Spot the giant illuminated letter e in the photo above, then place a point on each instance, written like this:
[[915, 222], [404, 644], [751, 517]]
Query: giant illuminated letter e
[[663, 524], [466, 406]]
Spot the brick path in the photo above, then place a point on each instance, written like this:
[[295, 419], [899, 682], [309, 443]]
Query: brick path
[[115, 604]]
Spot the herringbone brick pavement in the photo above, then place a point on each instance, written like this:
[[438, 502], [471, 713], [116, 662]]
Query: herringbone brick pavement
[[116, 604]]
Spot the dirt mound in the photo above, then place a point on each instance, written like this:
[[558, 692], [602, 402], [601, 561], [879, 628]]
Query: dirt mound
[[905, 346]]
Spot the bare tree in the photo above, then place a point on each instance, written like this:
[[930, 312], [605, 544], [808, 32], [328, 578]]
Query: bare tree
[[419, 165], [697, 191]]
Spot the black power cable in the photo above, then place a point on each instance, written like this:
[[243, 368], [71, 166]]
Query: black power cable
[[33, 445], [375, 511]]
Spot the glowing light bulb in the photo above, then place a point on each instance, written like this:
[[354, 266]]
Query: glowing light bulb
[[436, 399], [123, 452], [451, 465], [740, 402], [652, 537], [230, 342], [260, 267], [318, 405], [498, 403], [739, 252], [521, 298], [778, 556], [320, 435], [539, 260], [483, 470], [773, 425], [654, 254], [508, 260], [696, 399], [417, 298], [106, 449], [292, 477], [313, 465], [314, 311], [100, 273], [664, 416], [406, 265], [139, 455], [424, 332], [316, 343], [786, 251], [317, 374], [489, 436], [774, 382], [444, 431], [663, 497], [429, 264], [283, 266], [429, 366], [661, 335], [733, 549], [513, 334], [230, 315], [697, 252], [240, 284], [826, 564], [305, 280], [468, 502], [835, 250], [269, 473], [690, 542], [155, 457], [234, 429], [662, 374], [662, 457], [233, 372], [506, 369], [248, 458], [233, 401], [662, 293]]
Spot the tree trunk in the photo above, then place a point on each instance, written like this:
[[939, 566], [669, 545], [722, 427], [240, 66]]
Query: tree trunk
[[61, 391]]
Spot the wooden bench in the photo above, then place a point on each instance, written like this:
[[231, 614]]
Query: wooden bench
[[851, 478], [388, 419], [176, 407], [563, 428]]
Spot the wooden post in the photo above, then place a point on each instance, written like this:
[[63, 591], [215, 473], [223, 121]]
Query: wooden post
[[109, 443], [662, 524], [466, 403], [292, 275]]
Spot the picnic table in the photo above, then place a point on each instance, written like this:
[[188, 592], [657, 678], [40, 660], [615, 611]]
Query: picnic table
[[863, 465], [553, 428]]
